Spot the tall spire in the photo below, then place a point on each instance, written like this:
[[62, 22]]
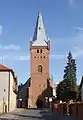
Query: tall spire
[[39, 38]]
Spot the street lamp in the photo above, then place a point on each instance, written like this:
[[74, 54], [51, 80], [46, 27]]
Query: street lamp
[[20, 102], [50, 100], [20, 99]]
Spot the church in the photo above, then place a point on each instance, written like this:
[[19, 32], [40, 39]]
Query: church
[[39, 89]]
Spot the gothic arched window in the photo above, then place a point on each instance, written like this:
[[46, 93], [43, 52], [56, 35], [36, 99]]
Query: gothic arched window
[[40, 68]]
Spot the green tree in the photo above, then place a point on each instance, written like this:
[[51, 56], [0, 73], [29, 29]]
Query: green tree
[[68, 88], [60, 90], [70, 78]]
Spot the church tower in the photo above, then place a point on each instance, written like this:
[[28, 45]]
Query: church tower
[[39, 63]]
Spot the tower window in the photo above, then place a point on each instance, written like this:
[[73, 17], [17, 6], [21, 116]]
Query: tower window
[[44, 56], [37, 51], [34, 56], [44, 85], [39, 28], [41, 56], [40, 51], [40, 68]]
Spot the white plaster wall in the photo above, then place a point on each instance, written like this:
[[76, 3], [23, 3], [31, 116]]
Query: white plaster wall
[[4, 78], [54, 92], [82, 92], [12, 94]]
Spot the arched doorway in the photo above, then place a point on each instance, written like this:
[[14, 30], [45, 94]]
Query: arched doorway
[[39, 103]]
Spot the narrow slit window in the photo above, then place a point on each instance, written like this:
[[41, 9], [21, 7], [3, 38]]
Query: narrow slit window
[[41, 51], [37, 51]]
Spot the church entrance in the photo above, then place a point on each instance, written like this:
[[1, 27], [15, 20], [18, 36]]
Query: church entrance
[[39, 103]]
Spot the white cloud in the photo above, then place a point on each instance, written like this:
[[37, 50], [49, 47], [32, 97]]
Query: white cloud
[[77, 41], [78, 52], [79, 38], [23, 57], [11, 47], [18, 58], [1, 46], [1, 29], [57, 56], [72, 3], [75, 3], [78, 29], [75, 46]]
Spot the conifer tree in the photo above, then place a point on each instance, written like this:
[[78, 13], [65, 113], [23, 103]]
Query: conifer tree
[[70, 78], [67, 88]]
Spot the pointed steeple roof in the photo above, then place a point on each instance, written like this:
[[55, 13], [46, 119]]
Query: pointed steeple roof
[[39, 38]]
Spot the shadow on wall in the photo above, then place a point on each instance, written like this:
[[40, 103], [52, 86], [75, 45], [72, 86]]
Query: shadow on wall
[[42, 100]]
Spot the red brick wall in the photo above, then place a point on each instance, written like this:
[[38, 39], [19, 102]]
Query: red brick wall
[[61, 108], [76, 110], [80, 111], [38, 80]]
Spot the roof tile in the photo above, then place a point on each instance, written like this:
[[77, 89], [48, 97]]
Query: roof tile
[[2, 67]]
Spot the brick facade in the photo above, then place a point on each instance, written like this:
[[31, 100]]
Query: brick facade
[[39, 55]]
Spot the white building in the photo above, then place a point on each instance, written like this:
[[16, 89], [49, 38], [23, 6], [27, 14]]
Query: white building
[[82, 91], [8, 89], [81, 86], [53, 85]]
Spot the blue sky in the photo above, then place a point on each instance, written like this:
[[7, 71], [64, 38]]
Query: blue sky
[[63, 20]]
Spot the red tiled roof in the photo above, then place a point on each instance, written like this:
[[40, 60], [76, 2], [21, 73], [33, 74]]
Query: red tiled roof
[[2, 67]]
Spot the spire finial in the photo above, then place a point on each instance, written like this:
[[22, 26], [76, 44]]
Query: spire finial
[[40, 10]]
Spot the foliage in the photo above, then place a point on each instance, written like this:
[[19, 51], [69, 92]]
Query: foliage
[[67, 89]]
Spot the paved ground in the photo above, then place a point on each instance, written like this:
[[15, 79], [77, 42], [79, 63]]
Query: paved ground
[[33, 114]]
